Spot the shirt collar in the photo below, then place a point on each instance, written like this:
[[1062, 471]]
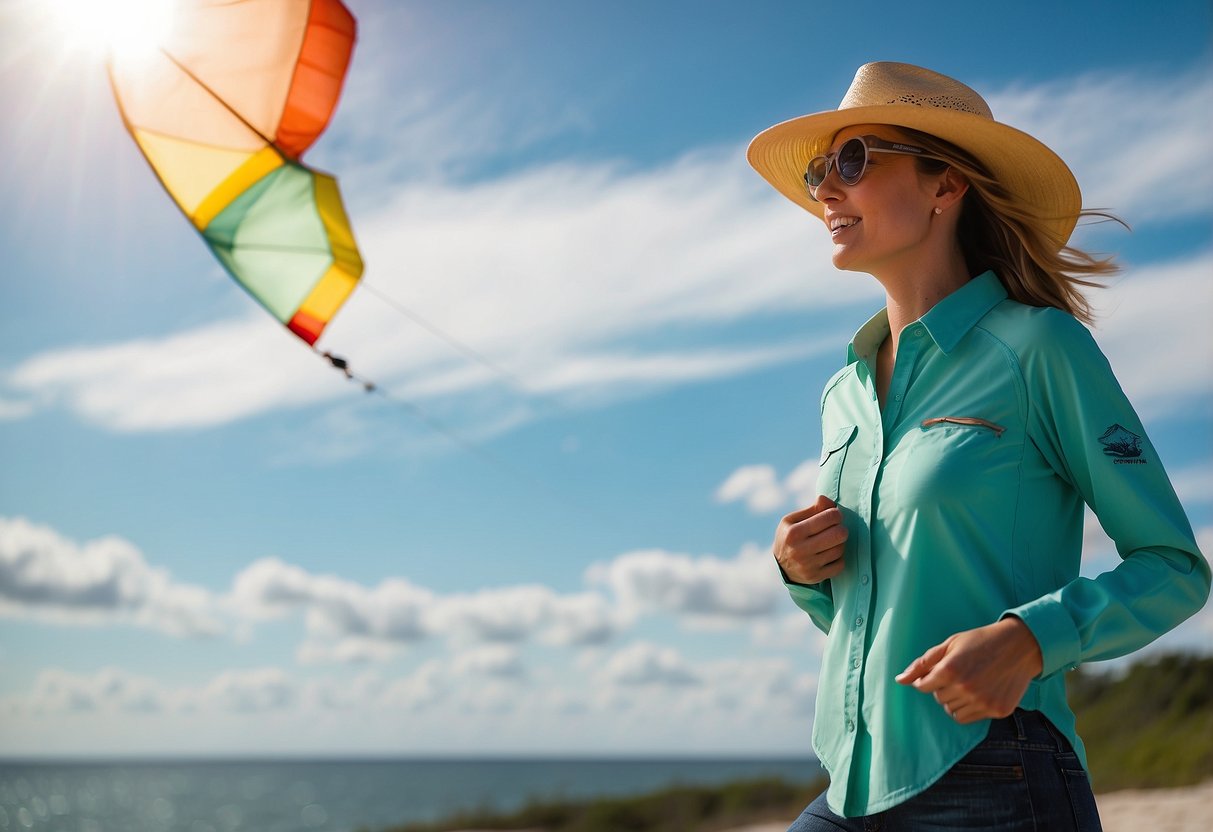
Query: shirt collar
[[947, 321]]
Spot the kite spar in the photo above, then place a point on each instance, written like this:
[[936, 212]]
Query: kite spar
[[222, 112]]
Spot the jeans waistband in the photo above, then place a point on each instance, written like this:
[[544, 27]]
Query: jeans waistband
[[1031, 727]]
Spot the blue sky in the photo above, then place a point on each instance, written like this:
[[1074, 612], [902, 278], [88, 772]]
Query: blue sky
[[211, 543]]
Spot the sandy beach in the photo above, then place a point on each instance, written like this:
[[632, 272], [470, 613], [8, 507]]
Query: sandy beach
[[1188, 809], [1158, 810]]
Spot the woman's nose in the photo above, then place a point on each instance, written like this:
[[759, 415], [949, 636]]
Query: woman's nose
[[829, 189]]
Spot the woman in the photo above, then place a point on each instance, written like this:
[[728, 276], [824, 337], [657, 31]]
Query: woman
[[973, 420]]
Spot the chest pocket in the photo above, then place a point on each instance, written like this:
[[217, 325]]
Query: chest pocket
[[833, 457]]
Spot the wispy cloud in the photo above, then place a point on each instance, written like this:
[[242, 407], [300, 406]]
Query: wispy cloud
[[569, 277], [575, 275], [1132, 139], [1152, 316]]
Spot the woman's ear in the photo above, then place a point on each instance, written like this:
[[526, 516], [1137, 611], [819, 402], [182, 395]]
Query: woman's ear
[[952, 186]]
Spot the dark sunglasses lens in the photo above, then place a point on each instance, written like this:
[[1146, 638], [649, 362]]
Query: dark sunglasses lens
[[815, 174], [852, 159]]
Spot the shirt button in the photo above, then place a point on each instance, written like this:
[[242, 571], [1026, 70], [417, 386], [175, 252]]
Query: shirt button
[[863, 579], [918, 332], [855, 664], [859, 621], [897, 396], [850, 725]]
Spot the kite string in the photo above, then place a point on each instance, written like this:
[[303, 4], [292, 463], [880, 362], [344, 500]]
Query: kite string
[[371, 387], [560, 496], [515, 382]]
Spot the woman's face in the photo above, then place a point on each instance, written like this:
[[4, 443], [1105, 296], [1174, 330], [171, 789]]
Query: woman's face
[[883, 220]]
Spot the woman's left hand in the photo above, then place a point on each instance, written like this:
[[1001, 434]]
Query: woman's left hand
[[978, 674]]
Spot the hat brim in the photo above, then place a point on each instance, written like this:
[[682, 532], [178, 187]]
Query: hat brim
[[1026, 167]]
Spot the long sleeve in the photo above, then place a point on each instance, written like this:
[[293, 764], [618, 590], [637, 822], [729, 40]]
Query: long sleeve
[[1084, 426]]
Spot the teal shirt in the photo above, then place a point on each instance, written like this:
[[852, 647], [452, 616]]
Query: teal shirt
[[964, 504]]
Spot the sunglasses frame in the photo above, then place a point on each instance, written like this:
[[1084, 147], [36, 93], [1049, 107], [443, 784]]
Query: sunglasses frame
[[870, 145]]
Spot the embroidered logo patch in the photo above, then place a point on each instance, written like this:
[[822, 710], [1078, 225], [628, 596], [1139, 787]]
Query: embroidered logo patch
[[1123, 444]]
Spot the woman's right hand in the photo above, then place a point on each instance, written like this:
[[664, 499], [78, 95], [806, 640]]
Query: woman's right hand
[[809, 543]]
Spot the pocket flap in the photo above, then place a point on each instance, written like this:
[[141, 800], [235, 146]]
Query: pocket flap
[[838, 441]]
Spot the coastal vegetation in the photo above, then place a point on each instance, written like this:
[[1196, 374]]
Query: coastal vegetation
[[1151, 726], [672, 809], [1147, 726]]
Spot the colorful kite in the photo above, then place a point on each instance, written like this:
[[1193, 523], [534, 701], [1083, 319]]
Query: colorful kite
[[222, 112]]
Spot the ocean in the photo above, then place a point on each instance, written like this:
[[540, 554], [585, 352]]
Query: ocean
[[326, 795]]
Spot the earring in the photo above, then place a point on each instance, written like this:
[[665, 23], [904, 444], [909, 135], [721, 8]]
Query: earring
[[938, 210]]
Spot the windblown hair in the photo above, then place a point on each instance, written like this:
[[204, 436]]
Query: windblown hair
[[999, 233]]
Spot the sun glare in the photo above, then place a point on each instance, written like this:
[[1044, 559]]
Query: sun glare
[[123, 30]]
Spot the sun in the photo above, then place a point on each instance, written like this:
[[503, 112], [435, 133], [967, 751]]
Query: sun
[[119, 30]]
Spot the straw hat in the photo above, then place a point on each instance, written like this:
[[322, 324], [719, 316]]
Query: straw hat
[[909, 96]]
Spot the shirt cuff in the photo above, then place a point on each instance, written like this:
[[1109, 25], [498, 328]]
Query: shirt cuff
[[1050, 623]]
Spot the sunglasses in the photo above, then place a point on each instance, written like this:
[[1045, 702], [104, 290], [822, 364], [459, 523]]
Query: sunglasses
[[851, 160]]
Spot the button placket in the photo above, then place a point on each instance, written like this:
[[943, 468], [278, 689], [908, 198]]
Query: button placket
[[861, 598], [908, 351]]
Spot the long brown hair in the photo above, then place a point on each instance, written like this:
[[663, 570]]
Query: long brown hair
[[999, 233]]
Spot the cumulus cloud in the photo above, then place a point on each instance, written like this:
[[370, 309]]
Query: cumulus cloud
[[251, 691], [794, 630], [496, 660], [648, 664], [393, 611], [350, 622], [106, 580], [759, 487], [114, 690], [700, 588]]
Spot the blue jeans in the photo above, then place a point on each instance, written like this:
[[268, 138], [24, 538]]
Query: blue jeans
[[1023, 777]]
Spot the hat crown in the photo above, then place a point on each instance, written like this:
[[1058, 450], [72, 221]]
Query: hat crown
[[887, 82]]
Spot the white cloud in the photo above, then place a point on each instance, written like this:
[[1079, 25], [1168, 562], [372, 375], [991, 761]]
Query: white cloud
[[557, 274], [762, 492], [11, 411], [794, 630], [348, 650], [697, 588], [106, 580], [1133, 139], [494, 660], [417, 691], [1193, 485], [648, 664], [756, 486], [350, 622], [207, 376], [393, 611], [251, 691], [1148, 320]]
